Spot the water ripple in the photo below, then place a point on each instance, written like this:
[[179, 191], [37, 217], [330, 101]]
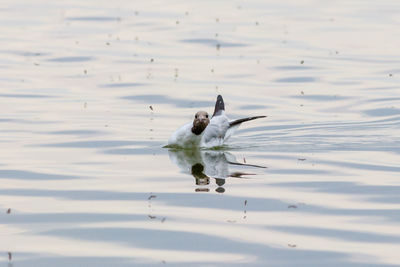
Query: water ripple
[[94, 19], [296, 80], [382, 112], [162, 99], [213, 42], [30, 175], [71, 59]]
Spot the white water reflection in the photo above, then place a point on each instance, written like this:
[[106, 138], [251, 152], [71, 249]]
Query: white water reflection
[[207, 164]]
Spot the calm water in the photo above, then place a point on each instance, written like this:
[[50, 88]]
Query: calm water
[[85, 180]]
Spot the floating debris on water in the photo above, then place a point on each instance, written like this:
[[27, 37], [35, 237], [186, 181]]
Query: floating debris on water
[[301, 159], [151, 108], [151, 197], [292, 207], [302, 62], [292, 245], [8, 211], [244, 210]]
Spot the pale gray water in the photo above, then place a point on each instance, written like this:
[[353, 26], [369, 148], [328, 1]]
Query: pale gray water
[[88, 183]]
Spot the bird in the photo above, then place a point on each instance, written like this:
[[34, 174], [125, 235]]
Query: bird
[[205, 132], [220, 128], [190, 134]]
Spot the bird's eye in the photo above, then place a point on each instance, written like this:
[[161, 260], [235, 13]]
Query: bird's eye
[[207, 116], [195, 116]]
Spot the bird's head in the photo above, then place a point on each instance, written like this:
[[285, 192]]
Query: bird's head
[[200, 122]]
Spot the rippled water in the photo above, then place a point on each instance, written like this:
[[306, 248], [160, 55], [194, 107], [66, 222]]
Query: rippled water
[[91, 90]]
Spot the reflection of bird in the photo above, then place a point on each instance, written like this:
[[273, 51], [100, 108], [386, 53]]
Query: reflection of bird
[[203, 164], [189, 135], [198, 174], [204, 132]]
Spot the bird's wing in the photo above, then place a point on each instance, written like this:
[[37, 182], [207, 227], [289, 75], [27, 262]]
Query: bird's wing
[[234, 125], [215, 132], [219, 106], [220, 128], [231, 130], [239, 121]]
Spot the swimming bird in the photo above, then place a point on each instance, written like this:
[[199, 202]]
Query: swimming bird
[[190, 134], [220, 128], [203, 132]]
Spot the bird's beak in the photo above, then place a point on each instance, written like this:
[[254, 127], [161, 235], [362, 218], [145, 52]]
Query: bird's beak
[[203, 119]]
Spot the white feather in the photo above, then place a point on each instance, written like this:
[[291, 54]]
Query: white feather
[[183, 137], [214, 134]]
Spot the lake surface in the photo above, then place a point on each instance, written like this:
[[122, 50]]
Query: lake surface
[[90, 92]]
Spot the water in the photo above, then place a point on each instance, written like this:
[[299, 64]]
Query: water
[[85, 180]]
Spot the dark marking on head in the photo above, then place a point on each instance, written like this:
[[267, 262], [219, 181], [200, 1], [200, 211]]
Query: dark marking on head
[[219, 106], [200, 122]]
